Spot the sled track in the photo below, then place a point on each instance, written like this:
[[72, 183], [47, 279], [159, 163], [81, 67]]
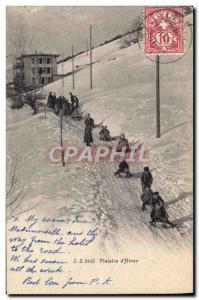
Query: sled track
[[114, 202], [118, 199]]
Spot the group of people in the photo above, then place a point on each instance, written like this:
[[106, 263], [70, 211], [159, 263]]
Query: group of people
[[148, 197], [104, 135], [62, 104], [122, 142]]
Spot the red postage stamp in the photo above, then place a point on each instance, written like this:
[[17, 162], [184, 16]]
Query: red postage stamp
[[164, 33]]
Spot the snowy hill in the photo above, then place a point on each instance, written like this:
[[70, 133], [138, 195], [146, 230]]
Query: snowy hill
[[123, 98]]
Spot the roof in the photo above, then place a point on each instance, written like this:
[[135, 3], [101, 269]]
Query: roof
[[38, 54]]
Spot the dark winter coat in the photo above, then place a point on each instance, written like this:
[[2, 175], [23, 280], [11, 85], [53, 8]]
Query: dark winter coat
[[147, 196], [76, 102], [66, 107], [49, 101], [53, 101], [157, 201], [72, 98], [59, 103], [158, 209], [89, 125], [104, 134], [123, 166], [146, 179], [123, 143]]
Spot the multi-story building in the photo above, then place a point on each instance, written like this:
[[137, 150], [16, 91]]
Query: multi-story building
[[35, 69]]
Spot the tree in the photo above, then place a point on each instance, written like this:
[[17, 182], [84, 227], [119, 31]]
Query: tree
[[20, 49], [20, 40], [134, 34], [14, 194]]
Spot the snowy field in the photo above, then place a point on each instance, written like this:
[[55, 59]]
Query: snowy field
[[123, 98]]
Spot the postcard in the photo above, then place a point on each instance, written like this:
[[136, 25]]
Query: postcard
[[99, 127]]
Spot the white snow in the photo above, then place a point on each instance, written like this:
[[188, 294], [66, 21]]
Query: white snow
[[123, 98]]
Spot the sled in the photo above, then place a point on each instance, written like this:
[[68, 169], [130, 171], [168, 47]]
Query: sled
[[76, 115], [123, 175], [163, 222], [107, 138], [79, 118]]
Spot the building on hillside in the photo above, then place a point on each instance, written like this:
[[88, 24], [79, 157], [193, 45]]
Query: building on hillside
[[34, 70]]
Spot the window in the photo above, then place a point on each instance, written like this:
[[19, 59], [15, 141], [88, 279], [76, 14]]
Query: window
[[40, 71], [33, 60], [44, 60], [48, 70], [33, 80], [33, 70], [48, 61], [49, 79]]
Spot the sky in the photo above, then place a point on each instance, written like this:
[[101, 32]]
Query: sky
[[55, 29]]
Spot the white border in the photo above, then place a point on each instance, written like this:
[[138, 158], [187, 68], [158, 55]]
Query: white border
[[3, 4]]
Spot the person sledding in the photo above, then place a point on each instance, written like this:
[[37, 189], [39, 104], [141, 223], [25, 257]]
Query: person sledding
[[159, 213], [123, 170], [76, 114], [104, 134], [146, 197], [146, 178], [123, 142]]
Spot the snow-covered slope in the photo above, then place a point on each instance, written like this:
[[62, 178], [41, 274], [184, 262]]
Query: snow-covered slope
[[123, 98]]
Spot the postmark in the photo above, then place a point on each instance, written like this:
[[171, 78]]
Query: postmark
[[164, 30]]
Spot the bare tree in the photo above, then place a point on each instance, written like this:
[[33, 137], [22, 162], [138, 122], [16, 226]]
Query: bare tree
[[14, 194], [20, 49], [20, 40], [134, 34], [137, 24]]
